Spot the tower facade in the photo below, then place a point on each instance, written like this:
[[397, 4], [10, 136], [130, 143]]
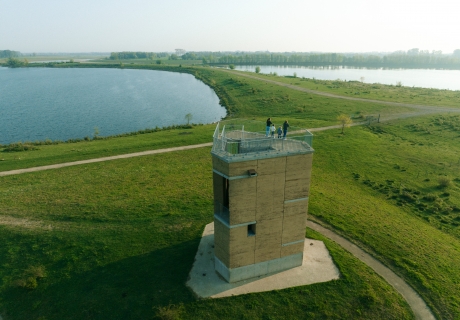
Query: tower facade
[[261, 189]]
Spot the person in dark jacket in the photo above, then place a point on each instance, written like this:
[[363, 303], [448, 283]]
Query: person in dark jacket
[[267, 130], [280, 132], [285, 128]]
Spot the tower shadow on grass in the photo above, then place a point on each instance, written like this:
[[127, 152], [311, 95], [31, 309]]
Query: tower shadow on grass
[[127, 289]]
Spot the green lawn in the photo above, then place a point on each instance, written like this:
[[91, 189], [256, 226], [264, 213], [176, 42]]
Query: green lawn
[[117, 240], [380, 186]]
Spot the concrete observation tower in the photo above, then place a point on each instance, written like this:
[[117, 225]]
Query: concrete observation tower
[[261, 189]]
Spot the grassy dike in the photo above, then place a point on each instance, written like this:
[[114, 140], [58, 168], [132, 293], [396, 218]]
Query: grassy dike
[[66, 152], [375, 91], [117, 239], [380, 187]]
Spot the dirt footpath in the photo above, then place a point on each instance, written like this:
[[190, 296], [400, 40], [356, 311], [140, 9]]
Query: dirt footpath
[[416, 303], [121, 156]]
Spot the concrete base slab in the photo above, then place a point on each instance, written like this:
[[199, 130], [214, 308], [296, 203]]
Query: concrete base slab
[[317, 266]]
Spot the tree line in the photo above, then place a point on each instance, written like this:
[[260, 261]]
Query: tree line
[[413, 58], [9, 54], [137, 55]]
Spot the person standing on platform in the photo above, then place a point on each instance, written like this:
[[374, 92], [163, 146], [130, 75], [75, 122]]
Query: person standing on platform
[[272, 130], [267, 129], [280, 132], [285, 128]]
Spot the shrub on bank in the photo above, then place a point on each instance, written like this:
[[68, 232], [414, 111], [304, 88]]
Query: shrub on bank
[[19, 146], [444, 182]]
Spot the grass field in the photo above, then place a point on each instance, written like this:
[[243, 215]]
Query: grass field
[[66, 152], [377, 91], [117, 239], [251, 98], [380, 186]]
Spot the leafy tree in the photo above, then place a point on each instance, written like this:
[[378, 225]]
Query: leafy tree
[[344, 120], [135, 55], [174, 57], [456, 53], [9, 54], [231, 66], [188, 117], [257, 69], [16, 63], [413, 52], [189, 56]]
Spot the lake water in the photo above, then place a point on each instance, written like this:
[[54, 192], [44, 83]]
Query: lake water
[[423, 78], [61, 104]]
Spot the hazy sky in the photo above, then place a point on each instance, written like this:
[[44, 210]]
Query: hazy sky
[[248, 25]]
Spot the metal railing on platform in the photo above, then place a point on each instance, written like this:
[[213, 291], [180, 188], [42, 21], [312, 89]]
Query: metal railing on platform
[[236, 139]]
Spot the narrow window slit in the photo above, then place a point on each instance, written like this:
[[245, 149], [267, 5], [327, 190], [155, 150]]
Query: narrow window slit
[[251, 230]]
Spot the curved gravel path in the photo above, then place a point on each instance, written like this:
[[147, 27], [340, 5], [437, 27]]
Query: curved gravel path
[[416, 303], [121, 156]]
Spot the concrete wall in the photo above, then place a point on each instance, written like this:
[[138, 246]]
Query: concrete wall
[[276, 200]]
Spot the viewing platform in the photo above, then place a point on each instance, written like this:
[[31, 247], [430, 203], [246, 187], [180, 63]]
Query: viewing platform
[[243, 140]]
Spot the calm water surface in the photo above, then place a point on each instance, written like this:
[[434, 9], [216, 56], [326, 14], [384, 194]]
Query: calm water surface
[[423, 78], [60, 104]]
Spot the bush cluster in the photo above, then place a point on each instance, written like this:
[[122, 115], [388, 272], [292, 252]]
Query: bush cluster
[[30, 277], [19, 146], [424, 205]]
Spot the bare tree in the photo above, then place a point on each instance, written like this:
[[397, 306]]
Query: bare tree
[[188, 117]]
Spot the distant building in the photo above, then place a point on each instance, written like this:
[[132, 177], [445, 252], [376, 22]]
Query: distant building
[[261, 189], [180, 52]]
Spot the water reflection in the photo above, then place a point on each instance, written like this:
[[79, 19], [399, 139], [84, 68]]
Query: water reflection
[[62, 104]]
